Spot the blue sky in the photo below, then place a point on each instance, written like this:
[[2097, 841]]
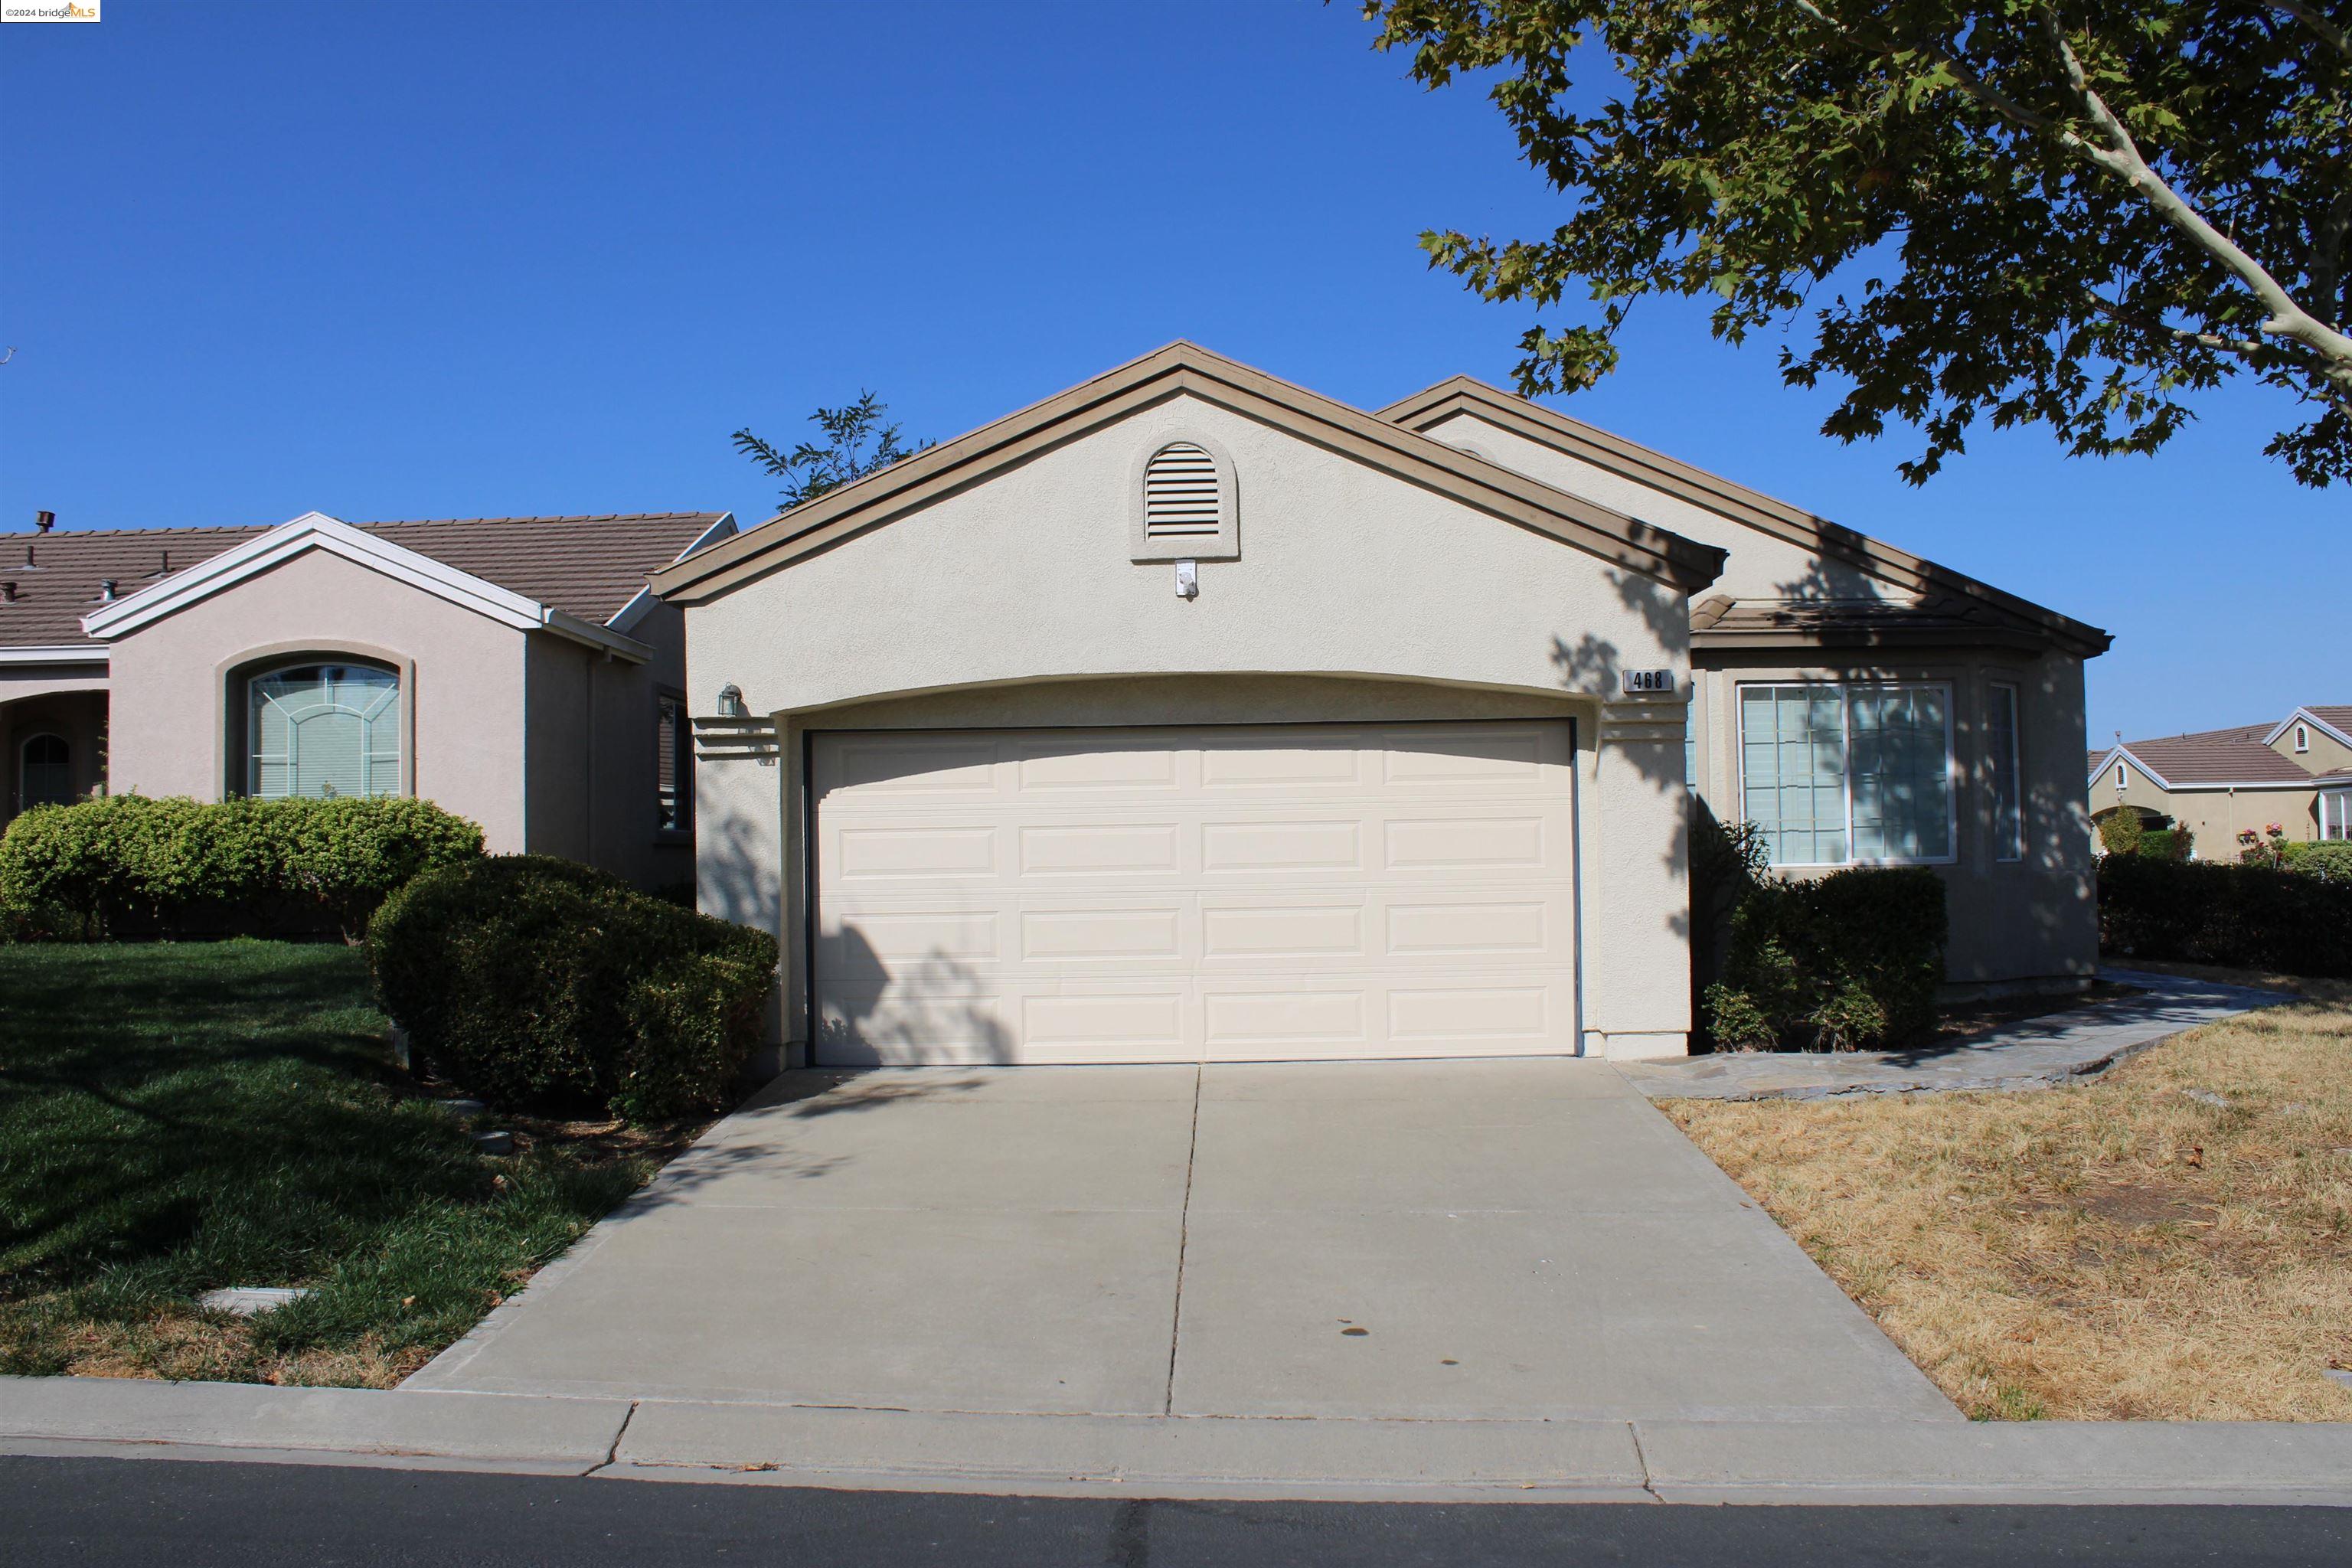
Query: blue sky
[[422, 259]]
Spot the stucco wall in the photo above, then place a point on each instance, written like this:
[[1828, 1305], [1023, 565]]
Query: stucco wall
[[2215, 815], [2024, 921], [1025, 581], [592, 740], [466, 691]]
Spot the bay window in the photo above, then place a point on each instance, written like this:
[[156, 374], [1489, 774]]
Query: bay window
[[1835, 774]]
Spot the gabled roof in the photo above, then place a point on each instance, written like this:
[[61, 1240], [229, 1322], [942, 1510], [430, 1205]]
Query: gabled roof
[[2210, 759], [2335, 718], [1187, 368], [1937, 586], [591, 569]]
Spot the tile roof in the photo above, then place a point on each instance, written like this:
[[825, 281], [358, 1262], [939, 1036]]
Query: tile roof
[[2338, 714], [2235, 755], [588, 566]]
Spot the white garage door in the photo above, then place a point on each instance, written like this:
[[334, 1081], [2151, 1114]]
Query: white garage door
[[1230, 894]]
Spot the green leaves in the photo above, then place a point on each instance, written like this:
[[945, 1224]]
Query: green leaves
[[2006, 240], [857, 444]]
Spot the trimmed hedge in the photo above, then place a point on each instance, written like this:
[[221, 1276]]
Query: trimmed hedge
[[1848, 961], [132, 867], [534, 982], [2244, 917], [2329, 859]]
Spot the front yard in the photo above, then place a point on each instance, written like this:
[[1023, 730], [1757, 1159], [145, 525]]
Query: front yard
[[2170, 1241], [175, 1119]]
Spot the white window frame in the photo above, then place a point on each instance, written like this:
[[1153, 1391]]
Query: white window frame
[[252, 760], [1843, 688], [2009, 840], [2122, 775], [2335, 815], [2302, 738]]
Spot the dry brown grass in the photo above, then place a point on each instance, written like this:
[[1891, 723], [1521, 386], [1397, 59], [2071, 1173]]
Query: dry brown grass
[[2118, 1249]]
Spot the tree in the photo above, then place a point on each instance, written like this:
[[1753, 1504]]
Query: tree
[[2025, 211], [857, 444]]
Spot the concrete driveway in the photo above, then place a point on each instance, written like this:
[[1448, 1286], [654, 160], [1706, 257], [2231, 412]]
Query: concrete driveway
[[1487, 1240]]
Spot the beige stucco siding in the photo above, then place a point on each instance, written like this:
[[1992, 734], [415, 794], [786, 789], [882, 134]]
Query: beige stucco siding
[[591, 740], [465, 677], [1016, 602], [2216, 816], [2327, 754]]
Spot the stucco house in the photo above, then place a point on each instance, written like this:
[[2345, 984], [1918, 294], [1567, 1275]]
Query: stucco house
[[517, 670], [2295, 772], [1190, 714]]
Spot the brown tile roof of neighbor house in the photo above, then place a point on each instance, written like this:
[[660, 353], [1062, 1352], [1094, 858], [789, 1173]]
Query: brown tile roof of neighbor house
[[586, 566], [2235, 755], [2335, 714]]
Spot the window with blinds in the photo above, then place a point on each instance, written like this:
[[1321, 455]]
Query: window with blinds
[[1180, 493], [1835, 774], [323, 731]]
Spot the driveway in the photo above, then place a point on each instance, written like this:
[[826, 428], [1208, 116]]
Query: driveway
[[1486, 1240]]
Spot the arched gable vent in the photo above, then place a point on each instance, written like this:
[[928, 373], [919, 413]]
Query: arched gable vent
[[1180, 493]]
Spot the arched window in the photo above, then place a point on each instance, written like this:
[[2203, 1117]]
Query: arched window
[[45, 775], [321, 731]]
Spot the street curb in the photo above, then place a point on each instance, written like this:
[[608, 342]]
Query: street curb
[[362, 1424], [1795, 1462]]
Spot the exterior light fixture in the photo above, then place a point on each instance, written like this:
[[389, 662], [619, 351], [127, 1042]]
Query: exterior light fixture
[[731, 702]]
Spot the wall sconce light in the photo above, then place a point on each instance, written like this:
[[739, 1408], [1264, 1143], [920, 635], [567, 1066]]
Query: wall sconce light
[[731, 702]]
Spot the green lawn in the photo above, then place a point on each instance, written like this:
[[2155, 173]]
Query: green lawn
[[175, 1118]]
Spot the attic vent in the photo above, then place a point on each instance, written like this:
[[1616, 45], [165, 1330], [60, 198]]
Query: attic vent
[[1180, 493]]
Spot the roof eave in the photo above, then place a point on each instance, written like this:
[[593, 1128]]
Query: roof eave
[[54, 653], [1464, 394]]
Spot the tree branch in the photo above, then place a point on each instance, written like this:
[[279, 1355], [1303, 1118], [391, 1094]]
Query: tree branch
[[2315, 21], [2287, 319]]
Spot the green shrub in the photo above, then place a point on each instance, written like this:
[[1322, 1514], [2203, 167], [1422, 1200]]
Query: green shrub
[[2329, 859], [1851, 959], [2120, 831], [131, 866], [2178, 842], [1726, 861], [2205, 911], [537, 982]]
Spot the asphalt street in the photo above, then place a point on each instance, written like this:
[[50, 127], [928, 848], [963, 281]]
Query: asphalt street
[[67, 1513]]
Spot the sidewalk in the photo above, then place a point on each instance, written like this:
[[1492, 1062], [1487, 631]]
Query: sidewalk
[[1178, 1457], [2033, 1054]]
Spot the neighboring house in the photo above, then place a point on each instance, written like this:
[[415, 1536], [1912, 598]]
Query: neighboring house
[[1191, 714], [2295, 772], [517, 670]]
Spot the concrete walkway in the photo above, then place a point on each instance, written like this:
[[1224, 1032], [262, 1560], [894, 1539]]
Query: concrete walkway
[[2034, 1054], [1478, 1242]]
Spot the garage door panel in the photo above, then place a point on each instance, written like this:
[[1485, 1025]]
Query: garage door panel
[[1460, 929], [1099, 849], [1449, 844], [901, 852], [1060, 935], [1465, 759], [1236, 849], [1150, 895], [1242, 932]]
